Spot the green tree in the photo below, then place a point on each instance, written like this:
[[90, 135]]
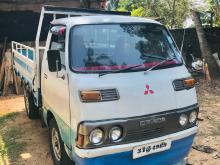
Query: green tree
[[204, 46], [129, 5], [172, 13], [214, 7], [112, 4]]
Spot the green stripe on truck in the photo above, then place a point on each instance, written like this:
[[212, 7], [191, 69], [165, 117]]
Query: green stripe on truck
[[65, 131]]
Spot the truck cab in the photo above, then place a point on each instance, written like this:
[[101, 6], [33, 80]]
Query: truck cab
[[115, 89]]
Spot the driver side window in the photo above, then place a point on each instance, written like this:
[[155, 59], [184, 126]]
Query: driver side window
[[58, 43]]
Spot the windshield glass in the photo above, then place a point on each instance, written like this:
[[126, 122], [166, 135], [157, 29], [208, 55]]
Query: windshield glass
[[111, 47]]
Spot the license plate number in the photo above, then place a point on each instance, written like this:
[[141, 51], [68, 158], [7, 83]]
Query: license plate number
[[151, 148]]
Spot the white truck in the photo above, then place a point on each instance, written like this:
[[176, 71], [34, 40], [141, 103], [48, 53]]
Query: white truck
[[111, 88]]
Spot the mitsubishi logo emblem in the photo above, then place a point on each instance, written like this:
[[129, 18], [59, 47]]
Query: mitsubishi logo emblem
[[148, 90]]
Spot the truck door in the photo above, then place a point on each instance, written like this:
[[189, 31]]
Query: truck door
[[55, 91]]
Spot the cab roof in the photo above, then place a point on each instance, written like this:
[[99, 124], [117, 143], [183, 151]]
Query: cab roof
[[99, 19]]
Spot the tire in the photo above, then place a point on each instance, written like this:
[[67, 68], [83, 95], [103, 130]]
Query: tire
[[57, 149], [31, 109]]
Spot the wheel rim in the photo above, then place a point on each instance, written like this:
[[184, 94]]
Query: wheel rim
[[26, 102], [56, 144]]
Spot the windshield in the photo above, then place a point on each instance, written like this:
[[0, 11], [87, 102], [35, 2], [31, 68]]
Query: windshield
[[111, 47]]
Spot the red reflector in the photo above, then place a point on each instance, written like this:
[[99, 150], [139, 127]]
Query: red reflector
[[62, 31]]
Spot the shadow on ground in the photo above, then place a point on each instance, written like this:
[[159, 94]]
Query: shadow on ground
[[22, 141]]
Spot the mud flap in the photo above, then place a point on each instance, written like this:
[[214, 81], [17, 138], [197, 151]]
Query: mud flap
[[43, 124]]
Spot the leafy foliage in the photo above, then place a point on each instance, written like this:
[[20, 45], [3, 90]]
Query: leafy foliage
[[214, 7], [172, 13]]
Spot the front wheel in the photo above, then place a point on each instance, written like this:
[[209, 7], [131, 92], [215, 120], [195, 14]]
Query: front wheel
[[31, 109], [58, 152]]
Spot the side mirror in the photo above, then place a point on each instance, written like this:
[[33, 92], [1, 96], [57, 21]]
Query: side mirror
[[54, 61]]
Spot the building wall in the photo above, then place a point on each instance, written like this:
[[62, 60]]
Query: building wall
[[35, 5], [191, 43], [19, 18]]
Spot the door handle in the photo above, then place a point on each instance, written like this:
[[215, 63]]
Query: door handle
[[45, 75]]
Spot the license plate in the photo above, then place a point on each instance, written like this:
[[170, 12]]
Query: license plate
[[151, 148]]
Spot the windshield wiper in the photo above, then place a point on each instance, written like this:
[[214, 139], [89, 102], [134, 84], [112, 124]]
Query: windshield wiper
[[136, 66], [121, 70], [130, 68], [159, 64], [156, 57]]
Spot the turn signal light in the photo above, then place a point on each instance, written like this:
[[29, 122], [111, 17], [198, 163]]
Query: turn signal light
[[90, 96], [189, 83], [80, 140]]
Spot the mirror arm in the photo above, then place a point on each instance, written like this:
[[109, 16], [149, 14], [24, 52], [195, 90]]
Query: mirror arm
[[63, 76]]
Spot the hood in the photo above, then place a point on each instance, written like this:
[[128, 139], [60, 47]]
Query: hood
[[139, 94]]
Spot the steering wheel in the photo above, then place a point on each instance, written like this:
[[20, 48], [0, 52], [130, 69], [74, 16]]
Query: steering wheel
[[104, 60]]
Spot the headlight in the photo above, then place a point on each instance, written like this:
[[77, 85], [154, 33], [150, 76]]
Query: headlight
[[96, 136], [183, 119], [192, 117], [115, 133]]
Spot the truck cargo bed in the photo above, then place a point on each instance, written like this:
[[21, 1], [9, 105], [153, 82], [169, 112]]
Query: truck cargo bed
[[24, 61]]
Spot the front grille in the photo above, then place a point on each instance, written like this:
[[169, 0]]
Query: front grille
[[179, 85], [133, 128], [109, 94], [139, 135]]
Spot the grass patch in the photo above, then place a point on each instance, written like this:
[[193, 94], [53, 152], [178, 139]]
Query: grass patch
[[10, 144], [7, 117]]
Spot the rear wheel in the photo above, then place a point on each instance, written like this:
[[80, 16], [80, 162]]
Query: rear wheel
[[31, 109], [57, 149]]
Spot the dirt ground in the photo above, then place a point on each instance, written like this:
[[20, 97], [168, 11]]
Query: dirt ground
[[36, 150], [209, 128]]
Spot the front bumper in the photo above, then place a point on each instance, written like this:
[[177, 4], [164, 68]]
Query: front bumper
[[138, 128], [181, 144]]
